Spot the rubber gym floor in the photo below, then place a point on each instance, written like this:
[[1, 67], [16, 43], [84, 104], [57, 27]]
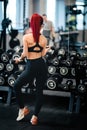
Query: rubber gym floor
[[54, 115]]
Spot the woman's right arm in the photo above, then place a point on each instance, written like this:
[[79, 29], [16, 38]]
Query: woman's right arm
[[45, 48]]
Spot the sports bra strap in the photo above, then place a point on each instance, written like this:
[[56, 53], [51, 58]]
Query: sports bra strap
[[32, 49]]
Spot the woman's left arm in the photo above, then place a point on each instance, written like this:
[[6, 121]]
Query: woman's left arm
[[25, 48], [24, 53]]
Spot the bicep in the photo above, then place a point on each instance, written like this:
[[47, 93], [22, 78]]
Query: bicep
[[25, 47], [44, 48]]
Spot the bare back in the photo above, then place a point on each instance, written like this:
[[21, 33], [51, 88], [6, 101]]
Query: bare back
[[28, 42]]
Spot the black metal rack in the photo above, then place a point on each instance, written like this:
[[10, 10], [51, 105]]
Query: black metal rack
[[9, 95], [3, 33]]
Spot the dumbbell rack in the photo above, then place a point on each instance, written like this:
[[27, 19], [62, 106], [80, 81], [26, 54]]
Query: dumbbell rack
[[60, 74]]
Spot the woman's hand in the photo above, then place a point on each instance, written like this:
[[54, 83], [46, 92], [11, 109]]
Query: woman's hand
[[48, 48], [17, 60]]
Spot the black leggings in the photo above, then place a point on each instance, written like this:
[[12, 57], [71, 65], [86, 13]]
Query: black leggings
[[36, 68]]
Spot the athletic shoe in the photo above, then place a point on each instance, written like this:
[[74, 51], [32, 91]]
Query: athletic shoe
[[22, 113], [34, 120]]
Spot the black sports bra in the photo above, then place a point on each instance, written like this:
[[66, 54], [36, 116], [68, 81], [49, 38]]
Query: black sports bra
[[32, 49]]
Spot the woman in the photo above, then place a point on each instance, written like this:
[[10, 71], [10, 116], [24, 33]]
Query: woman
[[34, 48]]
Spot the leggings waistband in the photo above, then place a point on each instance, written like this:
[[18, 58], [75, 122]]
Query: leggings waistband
[[35, 59]]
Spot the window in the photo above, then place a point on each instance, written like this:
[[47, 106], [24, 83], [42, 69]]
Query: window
[[11, 12], [1, 13], [14, 12], [51, 10], [80, 16], [56, 13]]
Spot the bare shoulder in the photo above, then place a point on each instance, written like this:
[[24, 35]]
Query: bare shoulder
[[42, 37], [26, 36], [27, 31], [43, 40]]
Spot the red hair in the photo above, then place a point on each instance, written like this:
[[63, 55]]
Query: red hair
[[36, 22]]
